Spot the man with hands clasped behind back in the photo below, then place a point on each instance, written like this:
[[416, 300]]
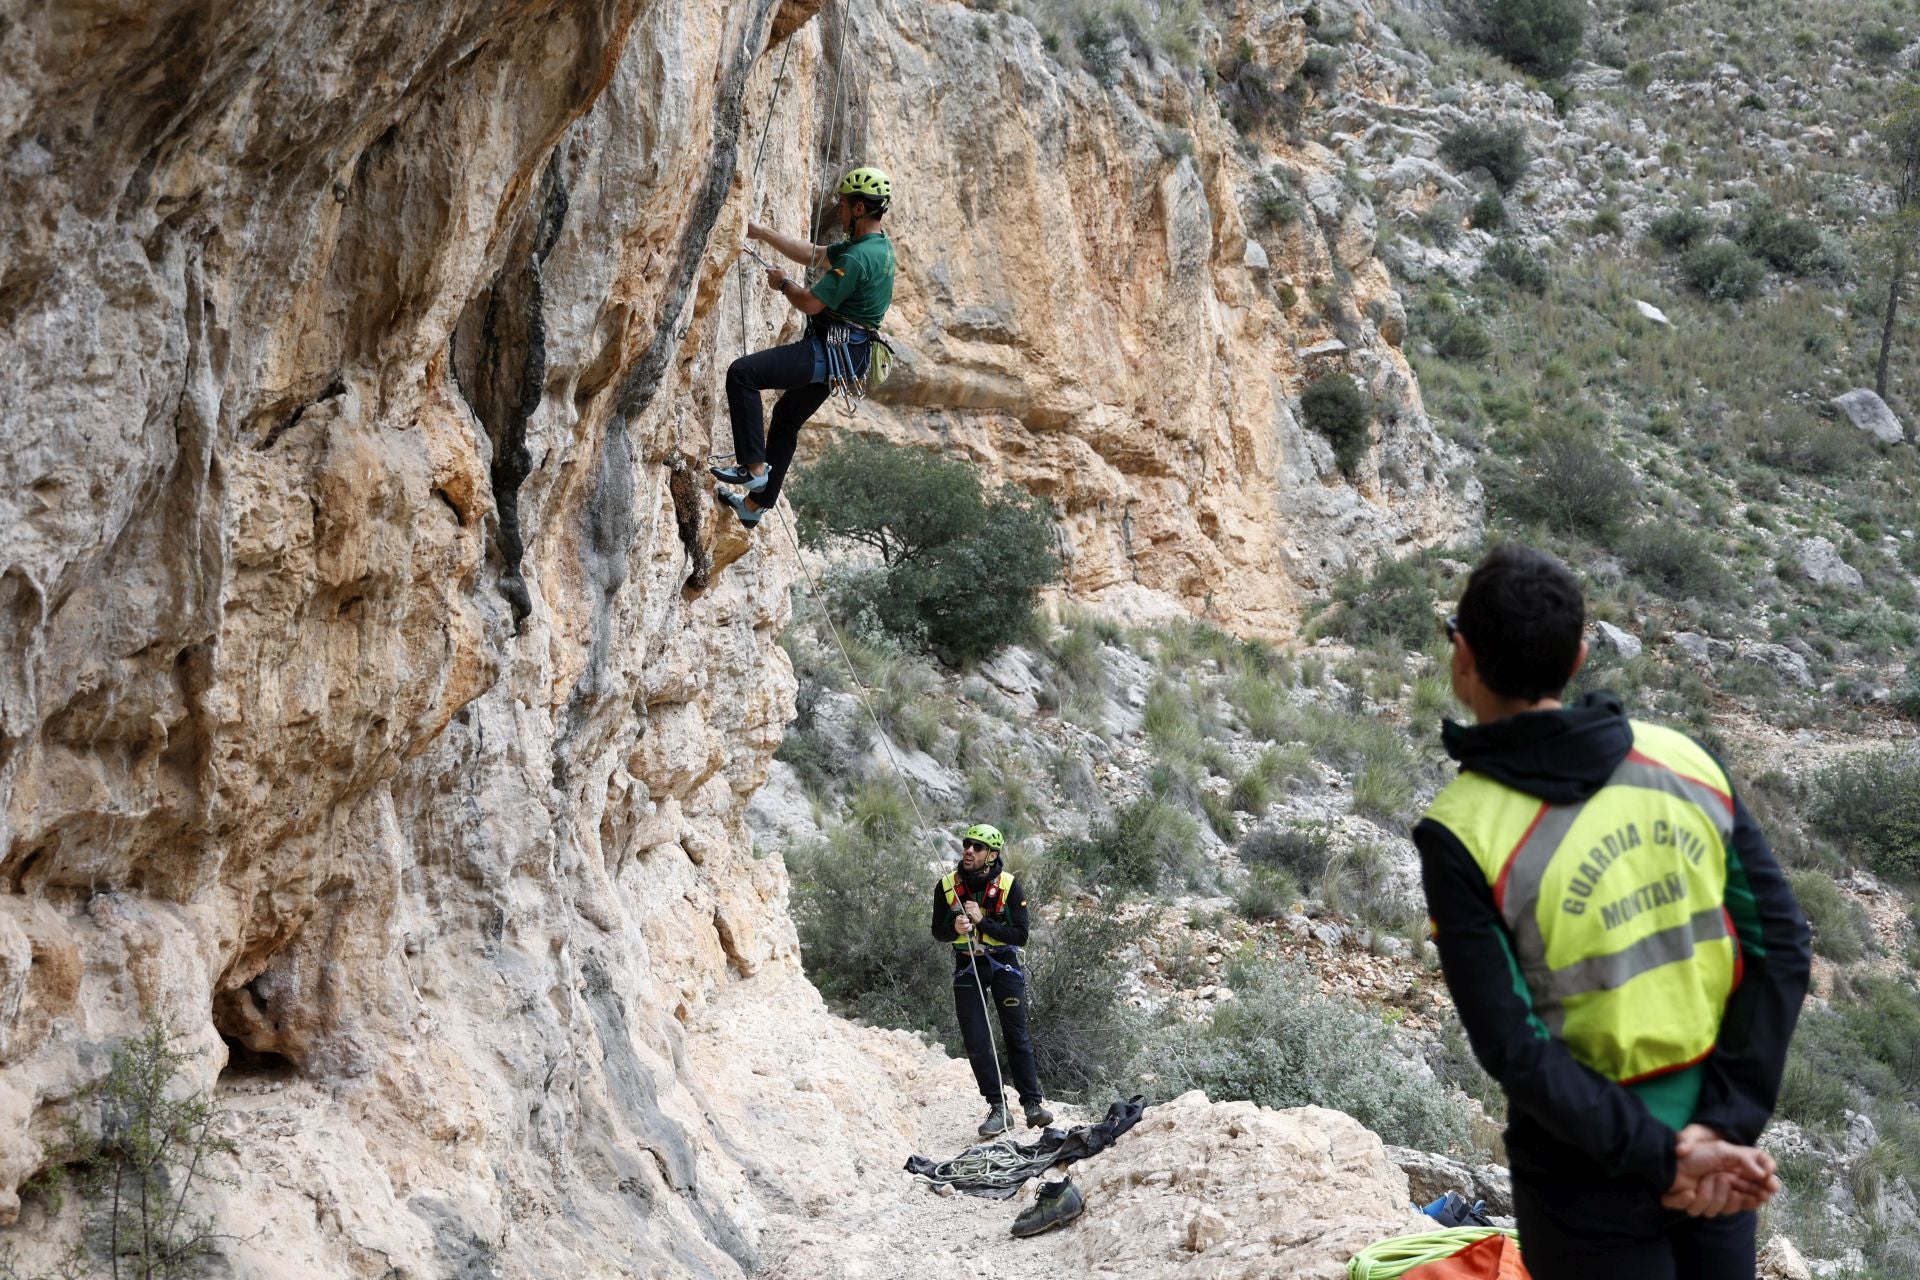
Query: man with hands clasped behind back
[[1622, 947]]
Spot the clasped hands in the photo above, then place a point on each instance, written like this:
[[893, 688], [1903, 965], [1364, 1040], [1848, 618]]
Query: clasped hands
[[1713, 1176]]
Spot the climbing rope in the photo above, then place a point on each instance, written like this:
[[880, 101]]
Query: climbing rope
[[833, 129]]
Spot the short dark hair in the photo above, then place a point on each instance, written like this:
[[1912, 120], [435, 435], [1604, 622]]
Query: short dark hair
[[1523, 614]]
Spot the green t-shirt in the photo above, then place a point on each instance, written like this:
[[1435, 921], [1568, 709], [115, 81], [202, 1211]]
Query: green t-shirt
[[858, 285]]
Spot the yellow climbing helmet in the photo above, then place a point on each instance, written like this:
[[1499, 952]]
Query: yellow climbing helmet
[[869, 182], [982, 833]]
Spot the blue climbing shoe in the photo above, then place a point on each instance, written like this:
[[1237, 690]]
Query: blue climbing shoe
[[739, 505], [741, 476]]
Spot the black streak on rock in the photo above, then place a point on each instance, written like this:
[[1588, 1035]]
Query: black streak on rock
[[642, 382], [500, 365]]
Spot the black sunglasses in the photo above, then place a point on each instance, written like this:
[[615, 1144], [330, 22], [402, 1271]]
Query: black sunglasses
[[974, 844]]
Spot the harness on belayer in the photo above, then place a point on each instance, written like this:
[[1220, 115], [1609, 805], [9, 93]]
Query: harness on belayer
[[847, 376]]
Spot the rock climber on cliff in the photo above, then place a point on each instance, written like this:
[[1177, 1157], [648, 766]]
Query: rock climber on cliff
[[1621, 944], [844, 309], [980, 908]]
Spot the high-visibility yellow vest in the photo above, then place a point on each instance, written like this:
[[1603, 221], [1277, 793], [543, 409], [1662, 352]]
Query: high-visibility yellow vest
[[950, 886], [1616, 905]]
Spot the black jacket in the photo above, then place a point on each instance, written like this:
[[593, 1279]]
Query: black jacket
[[1009, 926], [1567, 1122]]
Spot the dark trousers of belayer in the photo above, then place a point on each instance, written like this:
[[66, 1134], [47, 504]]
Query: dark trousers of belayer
[[1006, 990], [1609, 1230], [798, 370]]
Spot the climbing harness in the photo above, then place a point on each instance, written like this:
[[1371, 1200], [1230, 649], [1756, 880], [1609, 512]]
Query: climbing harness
[[847, 375]]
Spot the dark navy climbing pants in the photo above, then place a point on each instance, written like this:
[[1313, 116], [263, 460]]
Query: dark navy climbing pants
[[800, 370], [1614, 1229], [1007, 993]]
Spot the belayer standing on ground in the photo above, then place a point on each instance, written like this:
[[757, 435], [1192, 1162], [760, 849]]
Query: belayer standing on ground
[[1622, 946], [843, 309], [981, 909]]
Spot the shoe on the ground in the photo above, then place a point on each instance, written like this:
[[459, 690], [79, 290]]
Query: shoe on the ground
[[1057, 1204], [739, 505], [740, 476], [997, 1122], [1038, 1117]]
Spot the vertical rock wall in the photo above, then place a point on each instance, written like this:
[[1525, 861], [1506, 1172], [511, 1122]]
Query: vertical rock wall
[[356, 714]]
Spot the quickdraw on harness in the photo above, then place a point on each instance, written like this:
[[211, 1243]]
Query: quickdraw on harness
[[848, 376]]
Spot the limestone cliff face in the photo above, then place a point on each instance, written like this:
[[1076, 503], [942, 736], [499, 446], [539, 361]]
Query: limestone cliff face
[[354, 705], [1088, 312], [378, 698]]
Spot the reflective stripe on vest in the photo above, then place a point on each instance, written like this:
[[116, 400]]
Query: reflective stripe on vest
[[1616, 904], [950, 887]]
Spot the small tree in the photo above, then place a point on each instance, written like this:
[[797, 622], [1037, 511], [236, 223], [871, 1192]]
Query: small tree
[[1901, 131], [1537, 35], [1334, 406], [960, 567], [1500, 149]]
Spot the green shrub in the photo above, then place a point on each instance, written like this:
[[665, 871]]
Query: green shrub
[[1607, 222], [1441, 222], [1268, 894], [1907, 698], [1103, 50], [1084, 1035], [1338, 410], [1463, 338], [1681, 228], [1722, 271], [889, 970], [1793, 245], [1383, 793], [1812, 1098], [1678, 561], [1878, 43], [1251, 794], [1572, 485], [1640, 74], [1280, 1044], [1390, 606], [1535, 35], [143, 1173], [1518, 265], [1489, 212], [1500, 149], [1840, 928], [1869, 802], [962, 567], [1815, 448], [1274, 208], [1149, 839], [1320, 69], [1302, 852]]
